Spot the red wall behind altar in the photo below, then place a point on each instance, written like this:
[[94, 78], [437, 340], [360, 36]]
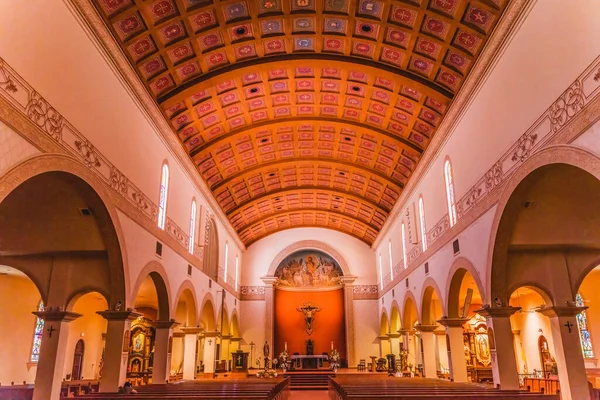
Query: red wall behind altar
[[328, 324]]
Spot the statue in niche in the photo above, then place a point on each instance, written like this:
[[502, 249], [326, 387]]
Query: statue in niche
[[266, 349]]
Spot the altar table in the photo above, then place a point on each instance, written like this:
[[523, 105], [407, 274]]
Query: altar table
[[306, 361]]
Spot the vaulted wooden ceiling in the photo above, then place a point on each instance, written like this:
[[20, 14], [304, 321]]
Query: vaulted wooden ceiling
[[303, 112]]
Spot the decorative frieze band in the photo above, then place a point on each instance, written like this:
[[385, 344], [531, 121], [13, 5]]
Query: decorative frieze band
[[365, 292], [252, 292]]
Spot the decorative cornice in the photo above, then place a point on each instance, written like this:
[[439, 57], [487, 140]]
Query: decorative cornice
[[252, 293], [365, 292], [90, 21]]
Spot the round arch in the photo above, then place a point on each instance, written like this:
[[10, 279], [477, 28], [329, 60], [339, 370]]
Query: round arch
[[409, 305], [106, 215], [384, 325], [309, 244], [207, 313], [496, 279], [395, 320], [234, 325], [431, 288], [187, 290], [158, 274], [456, 274]]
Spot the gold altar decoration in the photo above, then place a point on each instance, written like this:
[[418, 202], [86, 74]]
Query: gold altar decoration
[[309, 309], [482, 340]]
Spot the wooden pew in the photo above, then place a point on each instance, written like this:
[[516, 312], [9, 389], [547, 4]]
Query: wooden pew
[[359, 388]]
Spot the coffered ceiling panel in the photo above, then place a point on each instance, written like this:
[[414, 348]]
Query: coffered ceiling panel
[[303, 112]]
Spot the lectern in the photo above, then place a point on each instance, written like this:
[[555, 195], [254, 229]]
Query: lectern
[[240, 361]]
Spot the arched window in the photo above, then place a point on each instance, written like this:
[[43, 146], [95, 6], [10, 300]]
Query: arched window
[[403, 246], [237, 270], [450, 193], [226, 260], [423, 227], [380, 272], [391, 263], [37, 336], [164, 193], [192, 228], [584, 334]]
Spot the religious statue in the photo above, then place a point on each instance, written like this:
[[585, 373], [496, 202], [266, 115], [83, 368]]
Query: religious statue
[[266, 349], [309, 347], [403, 358], [309, 310]]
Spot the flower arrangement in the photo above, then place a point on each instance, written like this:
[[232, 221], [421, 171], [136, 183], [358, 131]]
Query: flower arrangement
[[335, 359], [283, 356]]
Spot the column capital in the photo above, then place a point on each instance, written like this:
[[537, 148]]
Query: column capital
[[383, 337], [56, 315], [561, 311], [226, 337], [393, 335], [497, 312], [452, 322], [268, 280], [407, 331], [211, 333], [425, 328], [192, 330], [348, 280], [235, 339], [165, 324], [119, 315]]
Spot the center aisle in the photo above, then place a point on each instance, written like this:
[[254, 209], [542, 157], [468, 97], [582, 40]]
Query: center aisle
[[309, 395]]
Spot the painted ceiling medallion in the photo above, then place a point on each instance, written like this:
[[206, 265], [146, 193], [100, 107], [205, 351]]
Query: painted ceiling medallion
[[303, 112]]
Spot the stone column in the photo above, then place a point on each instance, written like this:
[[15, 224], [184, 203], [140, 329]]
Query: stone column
[[225, 340], [51, 363], [394, 339], [441, 348], [190, 341], [163, 348], [114, 367], [210, 344], [500, 337], [454, 342], [269, 308], [518, 346], [384, 345], [568, 353], [429, 365], [349, 318]]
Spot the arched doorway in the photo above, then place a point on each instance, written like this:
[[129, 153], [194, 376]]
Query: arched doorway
[[309, 308], [78, 360], [431, 312]]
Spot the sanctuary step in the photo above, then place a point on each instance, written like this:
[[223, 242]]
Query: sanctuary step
[[309, 380]]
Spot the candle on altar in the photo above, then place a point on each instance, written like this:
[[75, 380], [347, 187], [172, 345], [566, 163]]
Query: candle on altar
[[331, 345], [285, 346]]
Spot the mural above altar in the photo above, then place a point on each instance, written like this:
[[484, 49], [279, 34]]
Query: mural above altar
[[305, 269]]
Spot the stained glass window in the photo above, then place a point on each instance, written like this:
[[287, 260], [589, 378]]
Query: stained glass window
[[164, 193], [237, 271], [226, 262], [380, 271], [584, 334], [192, 227], [37, 336], [450, 193], [422, 220]]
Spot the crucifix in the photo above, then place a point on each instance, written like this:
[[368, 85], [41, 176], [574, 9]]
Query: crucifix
[[209, 342], [569, 325], [309, 309], [50, 330]]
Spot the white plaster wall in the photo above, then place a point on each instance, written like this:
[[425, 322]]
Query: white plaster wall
[[590, 139], [252, 327], [366, 329], [19, 297], [13, 148], [357, 254], [549, 50]]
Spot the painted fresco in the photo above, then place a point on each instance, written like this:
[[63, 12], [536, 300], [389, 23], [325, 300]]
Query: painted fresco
[[308, 268]]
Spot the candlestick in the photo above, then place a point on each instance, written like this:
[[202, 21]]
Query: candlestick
[[331, 345], [285, 346]]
